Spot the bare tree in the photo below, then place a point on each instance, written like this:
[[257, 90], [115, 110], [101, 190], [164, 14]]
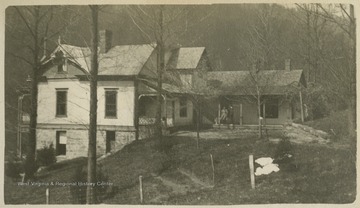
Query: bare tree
[[316, 33], [347, 24], [334, 68], [263, 47], [198, 91], [254, 91], [263, 43], [37, 20]]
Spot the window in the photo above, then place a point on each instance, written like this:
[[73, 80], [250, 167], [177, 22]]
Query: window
[[61, 140], [110, 103], [183, 107], [271, 108], [61, 100], [61, 62], [186, 79], [60, 68]]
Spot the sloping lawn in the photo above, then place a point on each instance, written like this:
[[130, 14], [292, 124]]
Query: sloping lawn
[[35, 194], [179, 173]]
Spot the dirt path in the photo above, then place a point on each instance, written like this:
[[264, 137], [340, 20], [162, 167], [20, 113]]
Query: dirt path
[[300, 134], [194, 185], [177, 189], [195, 179]]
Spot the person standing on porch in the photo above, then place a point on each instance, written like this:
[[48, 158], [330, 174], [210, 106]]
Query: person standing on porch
[[224, 115]]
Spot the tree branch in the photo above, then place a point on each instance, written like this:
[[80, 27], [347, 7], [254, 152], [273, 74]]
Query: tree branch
[[25, 22]]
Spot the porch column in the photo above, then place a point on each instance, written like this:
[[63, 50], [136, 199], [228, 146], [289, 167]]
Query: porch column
[[218, 118], [301, 107], [241, 114], [288, 113], [264, 115]]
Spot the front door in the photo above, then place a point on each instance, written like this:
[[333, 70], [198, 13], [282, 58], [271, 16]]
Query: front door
[[236, 116]]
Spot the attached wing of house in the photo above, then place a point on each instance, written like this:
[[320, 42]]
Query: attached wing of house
[[239, 92]]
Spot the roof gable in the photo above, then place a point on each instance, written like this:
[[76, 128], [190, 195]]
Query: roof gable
[[119, 60]]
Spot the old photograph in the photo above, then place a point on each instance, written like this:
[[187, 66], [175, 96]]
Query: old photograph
[[180, 104]]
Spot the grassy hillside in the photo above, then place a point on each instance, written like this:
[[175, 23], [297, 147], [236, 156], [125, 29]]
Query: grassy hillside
[[183, 175]]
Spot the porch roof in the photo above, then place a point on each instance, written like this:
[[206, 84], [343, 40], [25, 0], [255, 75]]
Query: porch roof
[[149, 88], [270, 82]]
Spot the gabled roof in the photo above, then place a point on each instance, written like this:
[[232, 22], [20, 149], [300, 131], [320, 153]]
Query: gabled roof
[[119, 60], [244, 82], [129, 59], [124, 60], [186, 58]]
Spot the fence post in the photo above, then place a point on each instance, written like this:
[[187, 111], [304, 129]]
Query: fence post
[[213, 169], [141, 190], [47, 193], [252, 176]]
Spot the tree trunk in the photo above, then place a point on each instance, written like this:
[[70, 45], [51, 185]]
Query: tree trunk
[[160, 70], [30, 167], [259, 115], [159, 98], [91, 177], [352, 110], [197, 124]]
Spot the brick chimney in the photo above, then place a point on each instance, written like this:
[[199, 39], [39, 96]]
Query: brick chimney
[[287, 64], [105, 40]]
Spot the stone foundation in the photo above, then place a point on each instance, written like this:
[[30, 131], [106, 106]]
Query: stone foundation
[[77, 141]]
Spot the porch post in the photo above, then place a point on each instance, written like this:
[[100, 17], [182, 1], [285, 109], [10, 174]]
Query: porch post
[[301, 107], [264, 116], [218, 118], [241, 114]]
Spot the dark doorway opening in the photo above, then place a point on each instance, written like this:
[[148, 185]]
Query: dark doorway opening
[[110, 141]]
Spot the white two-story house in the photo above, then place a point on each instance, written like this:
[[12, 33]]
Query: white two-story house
[[126, 98]]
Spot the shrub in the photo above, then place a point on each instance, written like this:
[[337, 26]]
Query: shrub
[[284, 153], [78, 192], [13, 169], [46, 156]]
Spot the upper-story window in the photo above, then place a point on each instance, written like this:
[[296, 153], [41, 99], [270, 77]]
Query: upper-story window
[[61, 62], [186, 79], [61, 102], [62, 67], [110, 103]]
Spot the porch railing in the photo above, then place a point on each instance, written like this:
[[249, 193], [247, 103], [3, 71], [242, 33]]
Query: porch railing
[[151, 121]]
